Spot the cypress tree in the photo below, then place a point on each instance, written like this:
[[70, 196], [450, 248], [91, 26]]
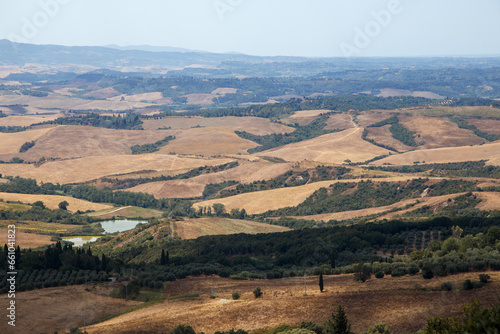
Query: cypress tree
[[338, 324], [321, 282], [162, 258]]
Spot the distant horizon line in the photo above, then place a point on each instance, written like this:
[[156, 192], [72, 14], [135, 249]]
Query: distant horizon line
[[137, 47]]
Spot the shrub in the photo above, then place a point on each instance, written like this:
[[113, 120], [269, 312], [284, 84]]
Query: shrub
[[312, 326], [236, 295], [446, 286], [467, 285], [483, 278], [427, 273], [378, 329], [379, 274], [183, 329], [257, 292]]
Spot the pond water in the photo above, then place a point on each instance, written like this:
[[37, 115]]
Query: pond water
[[112, 226], [80, 241]]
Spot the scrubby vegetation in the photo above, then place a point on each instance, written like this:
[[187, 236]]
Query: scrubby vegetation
[[462, 124], [365, 194], [312, 130], [150, 148], [128, 121], [289, 179]]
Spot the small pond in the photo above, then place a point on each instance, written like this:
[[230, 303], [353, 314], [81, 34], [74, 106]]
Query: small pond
[[112, 226], [80, 241]]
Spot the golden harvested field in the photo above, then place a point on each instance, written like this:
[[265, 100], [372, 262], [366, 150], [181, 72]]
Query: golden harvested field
[[26, 240], [340, 122], [128, 212], [439, 132], [309, 113], [149, 97], [26, 120], [224, 91], [191, 228], [66, 102], [59, 309], [246, 172], [92, 168], [390, 300], [103, 93], [382, 135], [368, 118], [199, 98], [208, 142], [10, 143], [262, 201], [489, 200], [70, 141], [386, 92], [329, 148], [255, 125], [52, 201], [39, 227], [490, 152], [480, 111], [491, 126]]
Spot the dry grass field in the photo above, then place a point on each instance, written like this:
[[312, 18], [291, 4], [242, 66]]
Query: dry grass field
[[52, 201], [26, 120], [339, 122], [10, 143], [382, 135], [490, 152], [80, 141], [255, 125], [309, 113], [127, 212], [200, 98], [191, 228], [480, 111], [491, 126], [439, 132], [103, 93], [489, 200], [208, 142], [262, 201], [59, 309], [329, 148], [386, 92], [66, 102], [370, 117], [246, 172], [26, 240], [394, 301], [92, 168]]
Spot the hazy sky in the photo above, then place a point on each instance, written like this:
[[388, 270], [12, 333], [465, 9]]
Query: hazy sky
[[323, 28]]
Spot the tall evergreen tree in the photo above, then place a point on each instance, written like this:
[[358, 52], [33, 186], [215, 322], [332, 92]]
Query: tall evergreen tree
[[338, 324], [321, 282], [162, 258]]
